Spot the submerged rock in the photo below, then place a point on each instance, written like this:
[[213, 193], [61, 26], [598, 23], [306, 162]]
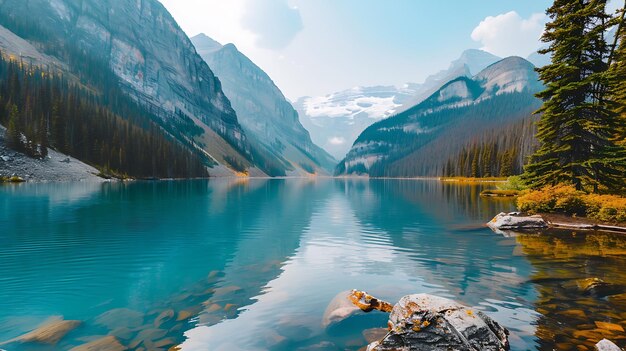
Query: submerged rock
[[164, 317], [120, 318], [516, 221], [606, 345], [599, 288], [347, 303], [374, 334], [107, 343], [340, 308], [50, 332]]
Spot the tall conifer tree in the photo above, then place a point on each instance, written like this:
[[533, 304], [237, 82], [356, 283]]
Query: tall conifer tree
[[577, 126], [617, 78]]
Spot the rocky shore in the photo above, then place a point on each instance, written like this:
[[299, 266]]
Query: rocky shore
[[57, 167], [509, 223], [423, 322]]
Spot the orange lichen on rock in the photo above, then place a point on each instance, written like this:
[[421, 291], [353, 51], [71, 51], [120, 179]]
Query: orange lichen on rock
[[368, 303]]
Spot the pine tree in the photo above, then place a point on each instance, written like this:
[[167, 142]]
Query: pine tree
[[475, 163], [43, 139], [14, 138], [576, 127], [506, 169], [617, 79]]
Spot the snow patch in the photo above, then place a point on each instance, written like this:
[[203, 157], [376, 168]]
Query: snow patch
[[337, 140], [328, 106]]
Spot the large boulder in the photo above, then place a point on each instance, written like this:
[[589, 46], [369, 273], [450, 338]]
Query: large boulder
[[516, 221], [424, 322]]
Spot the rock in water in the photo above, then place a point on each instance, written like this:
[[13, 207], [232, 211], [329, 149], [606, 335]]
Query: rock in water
[[598, 287], [107, 343], [347, 303], [515, 220], [424, 322], [340, 308], [48, 333], [606, 345], [120, 317]]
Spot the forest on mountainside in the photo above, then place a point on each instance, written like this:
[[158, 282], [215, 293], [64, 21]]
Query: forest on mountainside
[[43, 109], [500, 152], [440, 136]]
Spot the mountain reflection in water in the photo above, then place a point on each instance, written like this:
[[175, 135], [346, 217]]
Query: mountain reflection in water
[[252, 264]]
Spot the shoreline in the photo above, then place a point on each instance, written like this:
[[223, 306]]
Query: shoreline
[[562, 221], [114, 179]]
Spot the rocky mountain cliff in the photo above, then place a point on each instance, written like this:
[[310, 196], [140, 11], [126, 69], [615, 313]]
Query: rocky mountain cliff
[[419, 141], [337, 119], [153, 59], [263, 111]]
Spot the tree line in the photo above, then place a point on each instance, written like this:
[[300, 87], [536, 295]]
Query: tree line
[[500, 152], [41, 109], [450, 135]]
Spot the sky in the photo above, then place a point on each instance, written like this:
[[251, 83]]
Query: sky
[[316, 47]]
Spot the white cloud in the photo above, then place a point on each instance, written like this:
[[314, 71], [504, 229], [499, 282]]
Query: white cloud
[[274, 22], [337, 141], [221, 20], [509, 34]]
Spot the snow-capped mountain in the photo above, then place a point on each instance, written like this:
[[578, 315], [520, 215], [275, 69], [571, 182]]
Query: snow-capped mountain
[[336, 120], [419, 140]]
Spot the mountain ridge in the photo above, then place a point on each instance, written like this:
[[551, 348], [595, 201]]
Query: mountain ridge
[[154, 60], [349, 112], [501, 94], [263, 110]]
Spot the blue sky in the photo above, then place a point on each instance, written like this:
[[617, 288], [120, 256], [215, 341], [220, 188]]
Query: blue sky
[[315, 47]]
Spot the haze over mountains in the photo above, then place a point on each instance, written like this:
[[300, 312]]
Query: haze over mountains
[[336, 120], [265, 114], [224, 110], [156, 64]]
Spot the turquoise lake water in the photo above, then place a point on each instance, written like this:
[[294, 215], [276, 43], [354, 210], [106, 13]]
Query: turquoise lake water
[[252, 264]]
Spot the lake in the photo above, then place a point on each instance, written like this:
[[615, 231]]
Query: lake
[[251, 264]]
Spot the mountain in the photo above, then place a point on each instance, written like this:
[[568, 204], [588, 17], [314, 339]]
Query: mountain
[[469, 63], [336, 120], [266, 116], [423, 139], [539, 60], [139, 45]]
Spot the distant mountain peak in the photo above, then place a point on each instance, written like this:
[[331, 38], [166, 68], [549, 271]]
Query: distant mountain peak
[[206, 44], [512, 74], [474, 59], [284, 146]]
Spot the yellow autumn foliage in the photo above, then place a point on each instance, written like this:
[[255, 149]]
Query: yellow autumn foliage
[[566, 199]]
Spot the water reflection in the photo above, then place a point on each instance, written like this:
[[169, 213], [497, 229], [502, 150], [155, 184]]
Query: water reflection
[[252, 264], [575, 314]]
